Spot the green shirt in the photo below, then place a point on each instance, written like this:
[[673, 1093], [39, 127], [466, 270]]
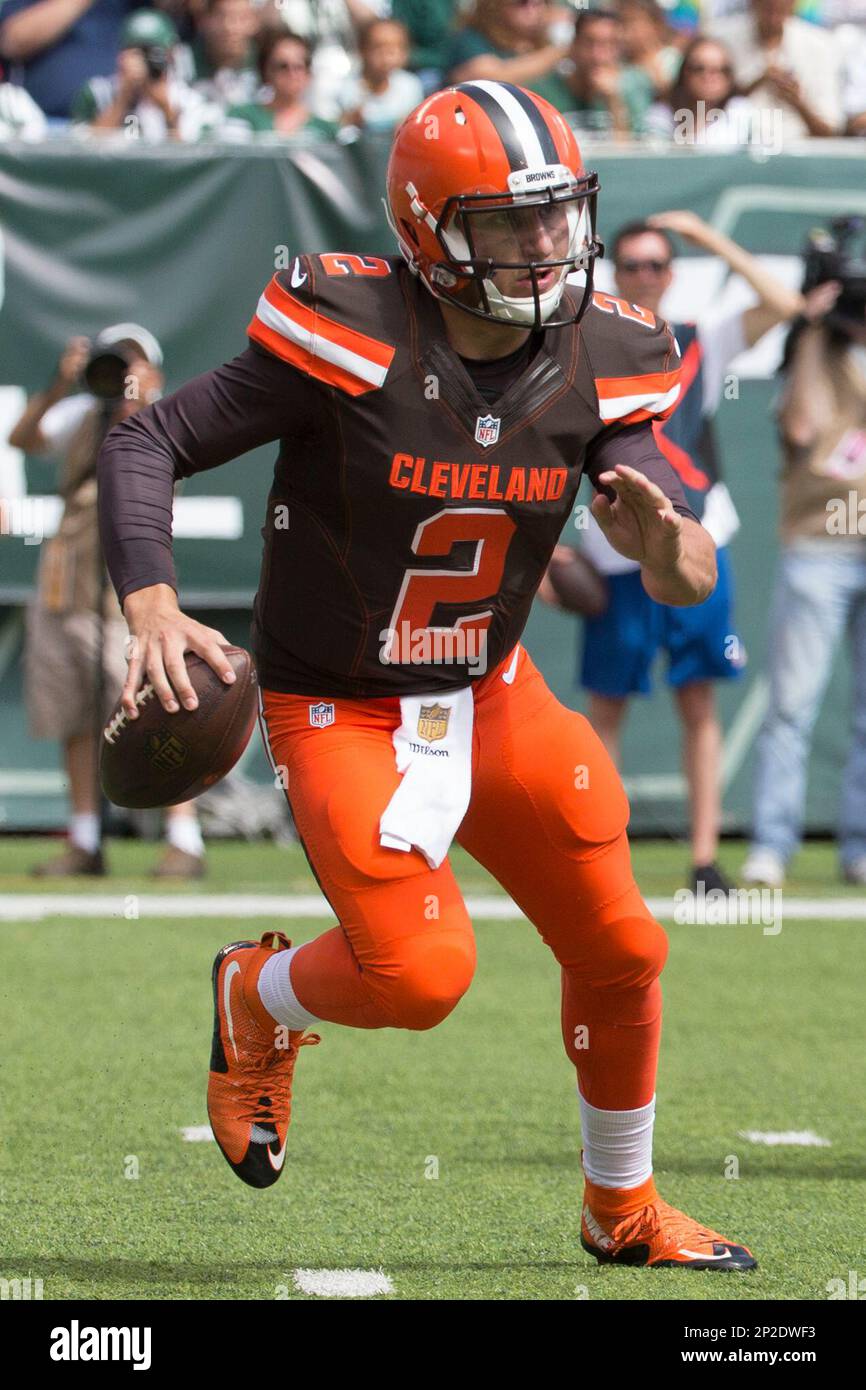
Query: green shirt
[[635, 91], [260, 119], [470, 43], [429, 23]]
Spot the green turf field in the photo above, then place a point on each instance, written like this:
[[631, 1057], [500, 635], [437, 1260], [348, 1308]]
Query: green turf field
[[105, 1039]]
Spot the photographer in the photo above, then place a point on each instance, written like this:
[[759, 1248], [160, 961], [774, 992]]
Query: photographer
[[74, 618], [145, 97], [820, 591]]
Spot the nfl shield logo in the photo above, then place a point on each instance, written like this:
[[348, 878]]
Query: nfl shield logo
[[486, 430], [321, 715], [166, 751], [433, 722]]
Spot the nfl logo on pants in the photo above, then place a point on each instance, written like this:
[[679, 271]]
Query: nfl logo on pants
[[321, 715], [486, 429]]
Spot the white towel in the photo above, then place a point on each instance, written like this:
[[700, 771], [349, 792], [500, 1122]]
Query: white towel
[[434, 754]]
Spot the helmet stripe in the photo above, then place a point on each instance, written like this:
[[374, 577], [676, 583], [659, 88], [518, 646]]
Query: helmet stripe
[[517, 132], [542, 129]]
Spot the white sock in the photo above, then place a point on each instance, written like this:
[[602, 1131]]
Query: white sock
[[84, 831], [617, 1144], [277, 994], [183, 832]]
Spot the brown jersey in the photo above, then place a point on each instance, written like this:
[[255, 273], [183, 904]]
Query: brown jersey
[[410, 520]]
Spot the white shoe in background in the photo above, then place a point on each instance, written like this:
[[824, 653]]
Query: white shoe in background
[[764, 868], [855, 870]]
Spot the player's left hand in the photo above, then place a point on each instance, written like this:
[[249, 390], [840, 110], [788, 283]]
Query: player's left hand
[[640, 522]]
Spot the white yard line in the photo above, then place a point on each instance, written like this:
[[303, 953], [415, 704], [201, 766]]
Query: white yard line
[[790, 1138], [343, 1283], [36, 907]]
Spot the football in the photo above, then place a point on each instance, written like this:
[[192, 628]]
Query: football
[[577, 584], [160, 759]]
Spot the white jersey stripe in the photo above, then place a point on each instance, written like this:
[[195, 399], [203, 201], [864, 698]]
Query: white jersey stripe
[[320, 346], [526, 133], [263, 730], [613, 408]]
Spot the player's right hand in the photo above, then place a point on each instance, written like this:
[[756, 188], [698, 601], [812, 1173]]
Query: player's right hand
[[159, 635]]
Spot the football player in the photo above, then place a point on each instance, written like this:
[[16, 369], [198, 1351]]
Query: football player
[[435, 412]]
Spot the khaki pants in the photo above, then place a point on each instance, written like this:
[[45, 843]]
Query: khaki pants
[[60, 671]]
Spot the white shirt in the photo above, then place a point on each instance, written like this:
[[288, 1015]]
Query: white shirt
[[805, 50], [62, 421], [20, 117], [383, 110], [735, 124], [195, 114], [854, 80]]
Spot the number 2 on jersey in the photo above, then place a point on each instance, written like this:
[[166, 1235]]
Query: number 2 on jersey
[[422, 590]]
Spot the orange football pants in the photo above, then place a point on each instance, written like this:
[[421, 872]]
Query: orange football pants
[[547, 818]]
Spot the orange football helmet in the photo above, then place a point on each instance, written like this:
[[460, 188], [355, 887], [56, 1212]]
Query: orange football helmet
[[491, 204]]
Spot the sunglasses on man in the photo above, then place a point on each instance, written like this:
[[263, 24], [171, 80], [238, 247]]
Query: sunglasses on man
[[632, 267]]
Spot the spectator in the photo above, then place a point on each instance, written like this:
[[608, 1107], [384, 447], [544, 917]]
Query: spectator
[[621, 645], [223, 53], [331, 28], [430, 24], [785, 63], [595, 89], [700, 108], [820, 589], [74, 614], [508, 41], [144, 98], [20, 117], [53, 47], [284, 61], [384, 92], [183, 14], [646, 40]]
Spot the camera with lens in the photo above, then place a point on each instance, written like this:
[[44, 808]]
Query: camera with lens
[[157, 58], [833, 255], [107, 370]]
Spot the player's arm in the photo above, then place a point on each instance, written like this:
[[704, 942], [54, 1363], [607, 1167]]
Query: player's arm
[[641, 506], [248, 401], [777, 303], [642, 510]]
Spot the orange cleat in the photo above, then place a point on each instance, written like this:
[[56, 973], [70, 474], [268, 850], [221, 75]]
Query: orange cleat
[[249, 1093], [633, 1226]]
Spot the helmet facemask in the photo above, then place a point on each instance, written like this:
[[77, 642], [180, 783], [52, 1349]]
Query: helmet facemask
[[490, 238]]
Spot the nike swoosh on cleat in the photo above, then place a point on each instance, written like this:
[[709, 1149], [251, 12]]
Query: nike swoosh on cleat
[[232, 969], [276, 1159], [598, 1233], [693, 1255]]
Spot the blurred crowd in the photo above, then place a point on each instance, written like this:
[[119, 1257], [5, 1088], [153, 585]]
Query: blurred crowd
[[707, 72]]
